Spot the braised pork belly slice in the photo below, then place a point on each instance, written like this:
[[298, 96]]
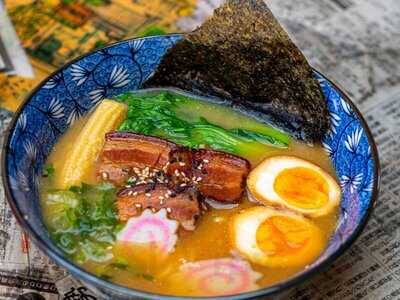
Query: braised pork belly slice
[[216, 175], [127, 154], [137, 150], [183, 206], [113, 173], [220, 176]]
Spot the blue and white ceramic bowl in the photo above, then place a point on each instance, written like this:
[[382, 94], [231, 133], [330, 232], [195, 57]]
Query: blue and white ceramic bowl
[[76, 88]]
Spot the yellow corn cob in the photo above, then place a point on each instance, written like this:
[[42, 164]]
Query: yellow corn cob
[[87, 146]]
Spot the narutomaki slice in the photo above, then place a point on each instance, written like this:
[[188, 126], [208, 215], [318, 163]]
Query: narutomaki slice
[[219, 277], [153, 229]]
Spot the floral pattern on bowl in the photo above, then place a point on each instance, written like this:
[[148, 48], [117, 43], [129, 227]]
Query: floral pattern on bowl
[[76, 89]]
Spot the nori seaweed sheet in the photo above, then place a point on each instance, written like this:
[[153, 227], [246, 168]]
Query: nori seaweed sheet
[[242, 54]]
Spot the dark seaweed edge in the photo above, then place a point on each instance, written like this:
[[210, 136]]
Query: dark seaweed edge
[[118, 289]]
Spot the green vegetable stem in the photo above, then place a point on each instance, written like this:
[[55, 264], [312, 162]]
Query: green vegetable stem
[[156, 115]]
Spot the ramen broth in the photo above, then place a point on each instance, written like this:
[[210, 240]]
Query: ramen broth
[[144, 268]]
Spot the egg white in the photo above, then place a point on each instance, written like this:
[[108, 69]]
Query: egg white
[[261, 180], [244, 236]]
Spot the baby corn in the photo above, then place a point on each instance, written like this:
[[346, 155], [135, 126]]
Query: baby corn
[[106, 117]]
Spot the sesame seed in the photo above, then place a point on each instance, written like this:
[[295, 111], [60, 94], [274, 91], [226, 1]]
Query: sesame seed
[[206, 161], [183, 184], [199, 167], [176, 172], [199, 179], [160, 197], [153, 210], [104, 175], [138, 205], [148, 195], [183, 174], [166, 195], [169, 210], [130, 193], [128, 186], [182, 164], [135, 193]]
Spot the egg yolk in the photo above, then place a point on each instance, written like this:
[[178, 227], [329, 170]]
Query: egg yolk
[[282, 236], [302, 187]]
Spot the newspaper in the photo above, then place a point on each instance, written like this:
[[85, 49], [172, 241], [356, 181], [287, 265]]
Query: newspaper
[[354, 42], [13, 59]]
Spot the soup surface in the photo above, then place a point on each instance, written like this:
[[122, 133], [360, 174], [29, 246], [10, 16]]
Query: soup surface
[[149, 268]]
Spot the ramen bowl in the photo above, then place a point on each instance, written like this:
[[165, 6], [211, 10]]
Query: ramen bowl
[[76, 88]]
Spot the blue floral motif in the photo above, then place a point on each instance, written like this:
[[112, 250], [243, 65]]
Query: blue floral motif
[[76, 89], [119, 77], [79, 74], [52, 82]]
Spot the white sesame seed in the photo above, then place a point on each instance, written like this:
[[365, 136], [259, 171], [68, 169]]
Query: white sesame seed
[[128, 186], [138, 205], [199, 167], [199, 179], [182, 164], [153, 210], [169, 210], [148, 195], [104, 175], [130, 193], [160, 197], [206, 161], [183, 184]]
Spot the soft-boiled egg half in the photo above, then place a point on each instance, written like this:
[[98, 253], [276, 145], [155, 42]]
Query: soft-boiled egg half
[[276, 238], [296, 184]]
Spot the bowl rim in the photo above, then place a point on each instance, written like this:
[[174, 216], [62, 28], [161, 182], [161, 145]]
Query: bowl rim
[[87, 277]]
